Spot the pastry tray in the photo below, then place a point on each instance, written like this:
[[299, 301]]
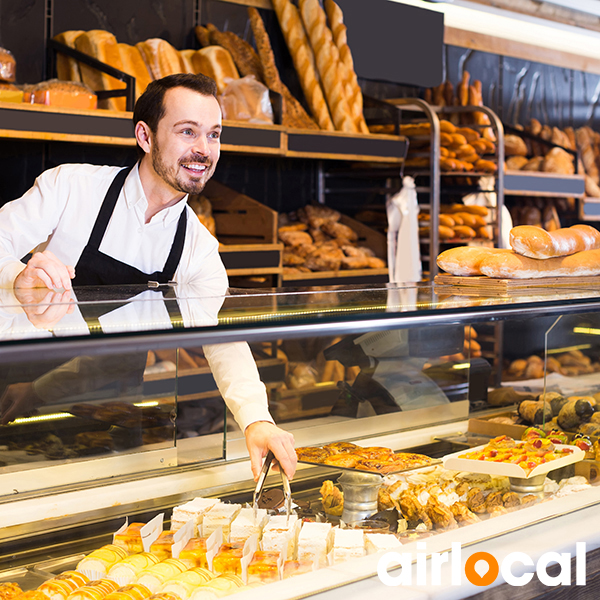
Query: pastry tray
[[453, 462], [434, 461]]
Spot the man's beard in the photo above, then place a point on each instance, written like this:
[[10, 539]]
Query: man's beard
[[174, 180]]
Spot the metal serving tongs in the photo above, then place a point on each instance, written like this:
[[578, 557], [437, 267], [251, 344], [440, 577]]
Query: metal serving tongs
[[261, 484]]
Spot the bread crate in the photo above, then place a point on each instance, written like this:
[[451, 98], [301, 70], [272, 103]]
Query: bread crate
[[247, 232], [366, 237]]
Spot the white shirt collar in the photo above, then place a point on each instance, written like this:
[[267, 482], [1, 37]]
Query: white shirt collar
[[135, 197]]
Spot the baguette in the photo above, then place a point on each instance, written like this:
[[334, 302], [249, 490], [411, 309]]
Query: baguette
[[160, 57], [67, 68], [465, 261], [133, 64], [514, 266], [304, 61], [353, 91], [294, 114], [328, 64], [102, 45], [535, 242]]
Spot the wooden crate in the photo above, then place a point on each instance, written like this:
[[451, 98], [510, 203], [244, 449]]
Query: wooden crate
[[366, 237], [247, 232]]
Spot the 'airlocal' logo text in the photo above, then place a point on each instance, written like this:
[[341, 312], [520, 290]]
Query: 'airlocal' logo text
[[481, 568]]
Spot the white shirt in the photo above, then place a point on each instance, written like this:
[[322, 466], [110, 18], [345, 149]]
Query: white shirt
[[58, 214]]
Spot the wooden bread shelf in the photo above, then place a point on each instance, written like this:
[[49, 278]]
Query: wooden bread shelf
[[49, 123], [491, 286]]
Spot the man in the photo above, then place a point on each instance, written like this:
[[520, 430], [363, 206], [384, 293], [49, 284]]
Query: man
[[103, 225]]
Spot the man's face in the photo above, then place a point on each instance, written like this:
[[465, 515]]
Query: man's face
[[187, 143]]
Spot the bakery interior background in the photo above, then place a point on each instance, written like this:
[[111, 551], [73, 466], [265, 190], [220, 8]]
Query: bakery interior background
[[516, 89]]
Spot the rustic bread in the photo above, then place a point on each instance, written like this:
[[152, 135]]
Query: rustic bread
[[294, 114], [340, 38], [133, 64], [102, 45], [304, 61], [328, 64], [217, 63], [244, 56], [162, 59], [67, 68]]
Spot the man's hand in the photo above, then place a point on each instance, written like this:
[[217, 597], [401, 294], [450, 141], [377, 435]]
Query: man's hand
[[44, 307], [263, 436], [18, 400], [44, 270]]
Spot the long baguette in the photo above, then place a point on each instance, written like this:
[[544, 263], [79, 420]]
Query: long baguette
[[515, 266], [466, 261], [304, 61], [536, 242], [335, 18], [328, 64]]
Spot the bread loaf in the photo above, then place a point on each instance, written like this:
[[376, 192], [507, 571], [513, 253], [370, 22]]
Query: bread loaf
[[328, 64], [186, 59], [244, 56], [304, 61], [465, 261], [160, 57], [67, 68], [102, 45], [535, 242], [294, 114], [134, 64], [217, 63], [202, 35], [353, 91], [514, 266]]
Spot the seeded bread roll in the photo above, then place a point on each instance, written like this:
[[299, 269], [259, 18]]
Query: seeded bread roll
[[353, 91], [162, 59], [328, 64], [304, 61], [133, 64], [244, 56], [67, 68], [102, 45], [217, 63], [294, 114]]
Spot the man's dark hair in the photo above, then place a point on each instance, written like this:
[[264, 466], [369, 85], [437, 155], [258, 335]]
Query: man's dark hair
[[150, 106]]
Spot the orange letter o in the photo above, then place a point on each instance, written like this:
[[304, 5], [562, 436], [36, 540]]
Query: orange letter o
[[474, 577]]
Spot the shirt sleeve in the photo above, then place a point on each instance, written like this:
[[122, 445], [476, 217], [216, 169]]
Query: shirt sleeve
[[236, 374], [27, 222]]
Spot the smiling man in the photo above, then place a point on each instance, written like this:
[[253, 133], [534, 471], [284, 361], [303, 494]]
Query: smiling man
[[101, 225]]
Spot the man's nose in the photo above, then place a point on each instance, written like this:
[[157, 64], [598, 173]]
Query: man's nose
[[201, 146]]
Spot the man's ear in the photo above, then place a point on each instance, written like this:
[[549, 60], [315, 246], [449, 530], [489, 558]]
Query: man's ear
[[143, 136]]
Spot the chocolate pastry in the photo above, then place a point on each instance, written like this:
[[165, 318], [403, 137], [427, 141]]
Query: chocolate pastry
[[476, 500], [462, 514], [529, 499], [271, 499], [511, 500], [493, 500]]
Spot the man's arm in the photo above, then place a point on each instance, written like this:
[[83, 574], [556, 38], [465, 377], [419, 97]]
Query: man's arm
[[236, 374]]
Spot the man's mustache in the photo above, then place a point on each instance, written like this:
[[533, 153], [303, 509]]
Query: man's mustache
[[196, 158]]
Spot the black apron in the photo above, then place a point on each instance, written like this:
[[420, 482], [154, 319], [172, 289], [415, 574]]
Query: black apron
[[96, 268]]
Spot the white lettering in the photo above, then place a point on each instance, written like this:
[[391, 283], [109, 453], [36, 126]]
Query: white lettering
[[437, 560], [564, 560], [403, 560], [456, 563], [421, 564], [507, 563], [580, 560]]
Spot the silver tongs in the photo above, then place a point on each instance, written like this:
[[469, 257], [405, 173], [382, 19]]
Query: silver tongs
[[261, 484]]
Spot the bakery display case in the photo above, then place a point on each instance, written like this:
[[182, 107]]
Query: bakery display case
[[129, 422]]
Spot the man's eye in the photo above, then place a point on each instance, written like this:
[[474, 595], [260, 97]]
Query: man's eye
[[187, 132], [215, 135]]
